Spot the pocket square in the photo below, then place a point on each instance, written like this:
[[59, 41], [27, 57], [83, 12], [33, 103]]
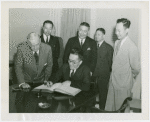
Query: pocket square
[[89, 48]]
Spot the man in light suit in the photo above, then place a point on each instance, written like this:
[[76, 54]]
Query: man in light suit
[[103, 66], [74, 74], [88, 46], [53, 41], [125, 67], [33, 61]]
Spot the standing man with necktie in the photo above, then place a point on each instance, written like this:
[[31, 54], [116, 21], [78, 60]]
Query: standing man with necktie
[[33, 61], [88, 46], [52, 41], [103, 66], [125, 67]]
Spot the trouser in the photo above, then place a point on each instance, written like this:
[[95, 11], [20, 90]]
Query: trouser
[[102, 86]]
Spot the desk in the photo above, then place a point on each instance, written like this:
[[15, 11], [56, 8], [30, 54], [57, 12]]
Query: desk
[[27, 102]]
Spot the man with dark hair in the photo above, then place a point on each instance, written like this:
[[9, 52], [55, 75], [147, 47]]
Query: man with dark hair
[[103, 66], [88, 46], [74, 74], [125, 67], [52, 41], [33, 61]]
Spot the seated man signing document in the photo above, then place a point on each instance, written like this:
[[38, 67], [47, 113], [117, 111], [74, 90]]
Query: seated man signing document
[[74, 73]]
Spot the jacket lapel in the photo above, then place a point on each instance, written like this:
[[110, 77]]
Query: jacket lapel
[[120, 55], [77, 43], [50, 40], [42, 39], [30, 54]]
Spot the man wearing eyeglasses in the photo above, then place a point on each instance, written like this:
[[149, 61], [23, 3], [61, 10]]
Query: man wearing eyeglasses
[[74, 73]]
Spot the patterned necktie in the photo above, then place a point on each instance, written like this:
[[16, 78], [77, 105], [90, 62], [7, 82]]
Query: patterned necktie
[[47, 40], [36, 58]]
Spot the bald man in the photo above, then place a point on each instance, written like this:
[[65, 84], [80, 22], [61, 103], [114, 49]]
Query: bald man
[[33, 62]]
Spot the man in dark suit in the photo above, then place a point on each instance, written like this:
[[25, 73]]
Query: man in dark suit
[[74, 74], [47, 38], [33, 61], [85, 43], [103, 66]]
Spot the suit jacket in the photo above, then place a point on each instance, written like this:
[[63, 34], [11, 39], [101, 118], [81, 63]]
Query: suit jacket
[[81, 78], [104, 61], [25, 64], [126, 65], [89, 51], [54, 43]]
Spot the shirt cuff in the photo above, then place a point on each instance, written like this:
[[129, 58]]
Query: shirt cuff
[[21, 84]]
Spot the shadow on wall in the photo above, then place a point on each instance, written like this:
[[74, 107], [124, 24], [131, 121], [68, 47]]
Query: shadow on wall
[[114, 36]]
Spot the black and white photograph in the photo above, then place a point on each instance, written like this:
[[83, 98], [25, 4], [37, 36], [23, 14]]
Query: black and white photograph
[[68, 60]]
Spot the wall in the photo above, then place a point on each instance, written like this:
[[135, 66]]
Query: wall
[[24, 21], [106, 18]]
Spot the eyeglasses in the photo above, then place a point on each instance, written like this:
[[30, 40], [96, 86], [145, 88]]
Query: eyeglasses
[[73, 62]]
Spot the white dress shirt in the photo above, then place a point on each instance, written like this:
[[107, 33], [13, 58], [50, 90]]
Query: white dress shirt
[[45, 37]]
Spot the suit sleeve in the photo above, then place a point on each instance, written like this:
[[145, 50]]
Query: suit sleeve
[[58, 75], [84, 84], [110, 57], [48, 69], [19, 65], [94, 56], [67, 51], [57, 49], [134, 60]]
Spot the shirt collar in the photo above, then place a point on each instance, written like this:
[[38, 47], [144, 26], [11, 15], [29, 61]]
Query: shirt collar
[[36, 52], [45, 37], [123, 41], [81, 39], [100, 43]]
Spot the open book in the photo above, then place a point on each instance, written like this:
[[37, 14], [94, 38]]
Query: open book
[[58, 87]]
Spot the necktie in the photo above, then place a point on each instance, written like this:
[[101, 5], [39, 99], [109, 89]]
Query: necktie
[[98, 45], [118, 46], [47, 40], [81, 42], [36, 58], [72, 73]]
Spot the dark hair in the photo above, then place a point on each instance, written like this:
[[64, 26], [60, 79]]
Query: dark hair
[[48, 21], [102, 30], [126, 22], [78, 52], [85, 24]]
